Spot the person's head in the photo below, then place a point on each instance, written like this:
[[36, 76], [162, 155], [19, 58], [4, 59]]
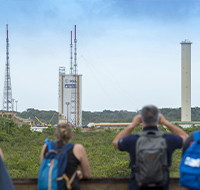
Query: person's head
[[150, 115], [64, 132]]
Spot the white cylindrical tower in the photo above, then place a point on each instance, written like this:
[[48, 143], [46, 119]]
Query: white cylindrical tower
[[186, 80]]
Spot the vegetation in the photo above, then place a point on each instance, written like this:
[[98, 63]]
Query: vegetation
[[122, 116], [21, 148], [44, 116], [108, 116], [172, 114]]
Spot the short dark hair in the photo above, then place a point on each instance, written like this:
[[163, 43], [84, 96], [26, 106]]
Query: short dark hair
[[150, 115]]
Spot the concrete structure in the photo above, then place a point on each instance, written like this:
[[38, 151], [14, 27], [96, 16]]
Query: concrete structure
[[108, 124], [38, 129], [20, 121], [186, 80], [70, 97], [185, 124]]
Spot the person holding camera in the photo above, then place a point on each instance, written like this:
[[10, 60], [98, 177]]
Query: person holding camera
[[150, 149]]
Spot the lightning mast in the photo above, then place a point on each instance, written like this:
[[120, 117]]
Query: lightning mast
[[7, 94], [74, 91], [75, 74], [71, 57]]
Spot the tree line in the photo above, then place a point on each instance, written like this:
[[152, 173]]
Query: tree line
[[117, 116]]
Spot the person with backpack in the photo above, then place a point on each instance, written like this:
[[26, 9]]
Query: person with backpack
[[60, 160], [190, 163], [150, 150]]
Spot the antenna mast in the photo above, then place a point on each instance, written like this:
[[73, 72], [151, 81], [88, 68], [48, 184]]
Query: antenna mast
[[74, 90], [7, 94], [75, 73], [71, 57]]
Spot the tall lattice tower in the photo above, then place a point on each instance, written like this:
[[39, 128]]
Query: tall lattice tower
[[70, 91], [71, 56], [73, 105], [76, 92], [7, 93]]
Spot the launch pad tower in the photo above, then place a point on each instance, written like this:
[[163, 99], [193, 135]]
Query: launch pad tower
[[70, 90]]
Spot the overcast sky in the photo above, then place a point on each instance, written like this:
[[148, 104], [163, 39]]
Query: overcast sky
[[128, 51]]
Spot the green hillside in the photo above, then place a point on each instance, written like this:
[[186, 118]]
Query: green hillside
[[172, 114]]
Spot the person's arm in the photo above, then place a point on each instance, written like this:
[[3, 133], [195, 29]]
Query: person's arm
[[1, 154], [173, 128], [42, 153], [187, 143], [80, 153], [127, 131]]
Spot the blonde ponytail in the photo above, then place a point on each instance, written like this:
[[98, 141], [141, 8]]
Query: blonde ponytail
[[63, 132]]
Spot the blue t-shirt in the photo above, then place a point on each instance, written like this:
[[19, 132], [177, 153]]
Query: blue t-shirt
[[128, 144]]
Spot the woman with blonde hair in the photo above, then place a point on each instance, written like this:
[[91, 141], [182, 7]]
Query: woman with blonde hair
[[76, 156]]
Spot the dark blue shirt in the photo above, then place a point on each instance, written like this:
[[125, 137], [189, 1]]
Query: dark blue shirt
[[5, 180], [128, 144], [188, 142]]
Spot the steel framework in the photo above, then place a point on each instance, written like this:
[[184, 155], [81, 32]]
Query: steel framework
[[75, 95], [7, 93], [71, 57], [73, 104]]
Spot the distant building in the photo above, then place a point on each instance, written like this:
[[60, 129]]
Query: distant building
[[20, 121], [70, 97]]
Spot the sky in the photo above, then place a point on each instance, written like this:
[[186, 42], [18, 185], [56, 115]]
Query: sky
[[128, 51]]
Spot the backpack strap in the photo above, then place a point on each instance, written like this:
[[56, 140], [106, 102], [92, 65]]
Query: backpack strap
[[50, 174], [68, 181], [67, 147], [196, 136], [152, 133], [52, 147]]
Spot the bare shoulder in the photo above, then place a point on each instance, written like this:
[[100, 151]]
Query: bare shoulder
[[42, 153], [44, 147], [79, 151], [79, 147]]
